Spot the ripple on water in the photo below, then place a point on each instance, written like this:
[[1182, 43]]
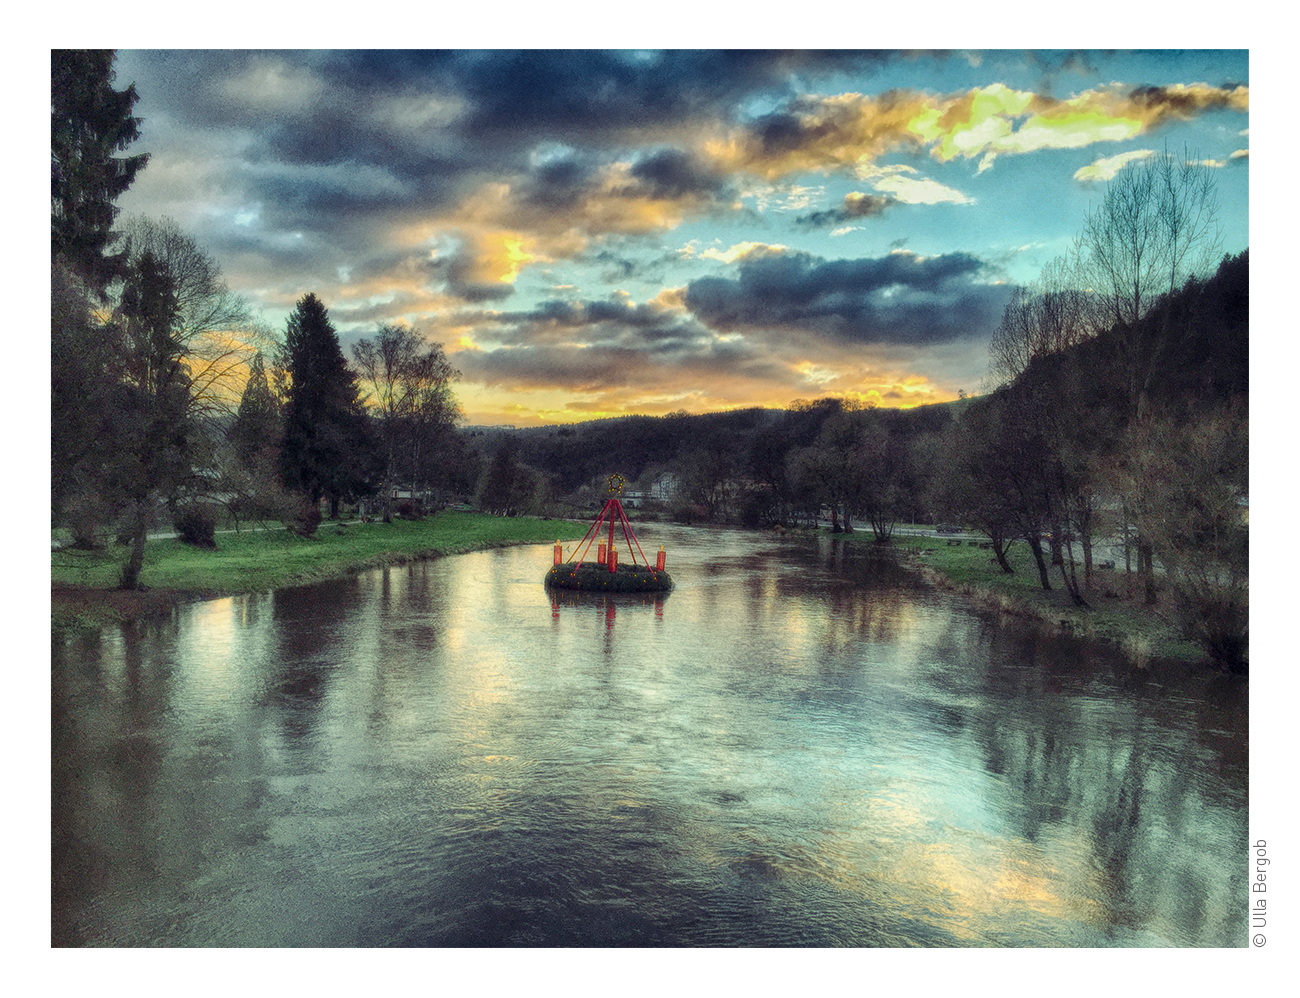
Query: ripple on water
[[795, 747]]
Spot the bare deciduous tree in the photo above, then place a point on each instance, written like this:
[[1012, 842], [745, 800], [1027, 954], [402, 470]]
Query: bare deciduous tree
[[1049, 316], [1156, 226], [1185, 483], [408, 381], [213, 325]]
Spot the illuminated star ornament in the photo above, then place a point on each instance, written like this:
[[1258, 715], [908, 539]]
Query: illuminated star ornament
[[607, 575]]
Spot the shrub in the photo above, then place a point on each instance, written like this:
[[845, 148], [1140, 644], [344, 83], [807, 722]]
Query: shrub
[[410, 509], [196, 526], [85, 518], [756, 510], [1217, 617], [308, 519]]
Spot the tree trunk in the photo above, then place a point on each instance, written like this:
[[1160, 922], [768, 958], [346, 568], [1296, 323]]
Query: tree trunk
[[1000, 546], [135, 563], [1128, 548], [1085, 537], [1070, 578], [1147, 561], [388, 493], [1036, 546]]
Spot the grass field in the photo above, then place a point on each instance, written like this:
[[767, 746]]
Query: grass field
[[84, 582], [259, 561], [1115, 613]]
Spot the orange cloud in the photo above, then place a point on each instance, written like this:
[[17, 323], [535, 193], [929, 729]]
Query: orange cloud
[[569, 378], [824, 134], [996, 121], [500, 230], [497, 257]]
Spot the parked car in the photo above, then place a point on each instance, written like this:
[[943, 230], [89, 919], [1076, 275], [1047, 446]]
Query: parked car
[[948, 528]]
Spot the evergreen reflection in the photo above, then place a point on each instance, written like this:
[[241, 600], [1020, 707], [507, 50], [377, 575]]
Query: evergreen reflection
[[796, 747]]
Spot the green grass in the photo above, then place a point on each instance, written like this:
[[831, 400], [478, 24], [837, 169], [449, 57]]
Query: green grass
[[1112, 616], [262, 560]]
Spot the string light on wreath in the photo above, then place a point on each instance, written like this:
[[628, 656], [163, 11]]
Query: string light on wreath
[[615, 484]]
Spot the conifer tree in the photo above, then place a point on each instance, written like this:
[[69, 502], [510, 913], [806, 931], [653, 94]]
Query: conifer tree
[[89, 122], [152, 443], [326, 450], [257, 423]]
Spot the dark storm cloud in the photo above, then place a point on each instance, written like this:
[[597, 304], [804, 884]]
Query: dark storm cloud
[[322, 143], [607, 320], [621, 263], [621, 268], [603, 345], [290, 131], [621, 91], [366, 106], [559, 184], [308, 198], [608, 368], [1181, 102], [1072, 64], [852, 208], [357, 320], [192, 91], [457, 272], [670, 174], [597, 368], [782, 132], [900, 299], [566, 181]]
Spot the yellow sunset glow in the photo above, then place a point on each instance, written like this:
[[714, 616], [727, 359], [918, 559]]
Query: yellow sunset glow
[[513, 256], [542, 404], [643, 254]]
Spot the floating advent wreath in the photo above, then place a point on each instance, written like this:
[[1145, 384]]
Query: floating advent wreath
[[606, 574]]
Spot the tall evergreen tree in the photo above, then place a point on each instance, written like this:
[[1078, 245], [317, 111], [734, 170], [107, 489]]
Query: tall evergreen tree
[[326, 451], [82, 356], [498, 480], [257, 424], [153, 441], [89, 122]]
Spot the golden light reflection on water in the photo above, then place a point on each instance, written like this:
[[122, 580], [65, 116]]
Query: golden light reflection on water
[[756, 738], [212, 648], [213, 632]]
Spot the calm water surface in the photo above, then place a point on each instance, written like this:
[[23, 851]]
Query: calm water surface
[[798, 746]]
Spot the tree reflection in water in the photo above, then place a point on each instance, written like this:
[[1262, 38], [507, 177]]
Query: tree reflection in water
[[800, 745]]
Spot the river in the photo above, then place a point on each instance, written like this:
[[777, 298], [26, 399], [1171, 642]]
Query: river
[[801, 745]]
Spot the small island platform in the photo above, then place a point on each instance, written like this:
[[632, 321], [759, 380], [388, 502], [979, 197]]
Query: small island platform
[[599, 579], [606, 575]]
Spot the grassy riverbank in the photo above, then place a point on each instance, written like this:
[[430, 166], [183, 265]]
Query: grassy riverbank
[[84, 592], [1116, 613]]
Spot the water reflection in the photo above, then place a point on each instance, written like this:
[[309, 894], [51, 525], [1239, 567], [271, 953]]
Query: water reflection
[[606, 605], [797, 746]]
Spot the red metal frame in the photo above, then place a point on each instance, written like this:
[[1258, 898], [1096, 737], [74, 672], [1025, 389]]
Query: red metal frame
[[614, 510]]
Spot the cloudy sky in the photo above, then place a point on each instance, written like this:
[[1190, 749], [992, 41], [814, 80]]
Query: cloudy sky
[[592, 233]]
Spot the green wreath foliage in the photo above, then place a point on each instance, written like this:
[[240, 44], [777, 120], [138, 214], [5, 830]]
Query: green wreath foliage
[[594, 578]]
